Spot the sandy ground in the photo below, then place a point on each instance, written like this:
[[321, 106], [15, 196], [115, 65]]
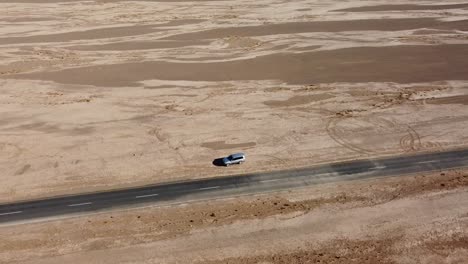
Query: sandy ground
[[411, 219], [108, 94]]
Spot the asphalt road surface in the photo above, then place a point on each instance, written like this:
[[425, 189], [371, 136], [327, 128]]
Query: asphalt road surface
[[220, 187]]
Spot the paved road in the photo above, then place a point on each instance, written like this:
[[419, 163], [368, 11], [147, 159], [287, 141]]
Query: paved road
[[184, 191]]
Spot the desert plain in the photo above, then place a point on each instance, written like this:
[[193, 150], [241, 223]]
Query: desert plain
[[107, 94]]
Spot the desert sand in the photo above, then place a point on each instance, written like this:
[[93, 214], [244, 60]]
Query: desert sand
[[109, 94], [105, 94]]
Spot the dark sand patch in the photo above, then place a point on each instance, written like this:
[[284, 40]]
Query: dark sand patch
[[403, 7], [459, 99], [100, 33], [43, 127], [402, 64], [97, 1], [298, 100], [324, 26], [217, 145], [139, 45], [38, 126], [24, 169], [25, 19], [180, 22]]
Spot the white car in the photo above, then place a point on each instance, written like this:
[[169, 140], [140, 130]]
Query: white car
[[236, 158]]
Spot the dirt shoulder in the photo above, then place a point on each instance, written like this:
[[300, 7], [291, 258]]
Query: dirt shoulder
[[387, 219]]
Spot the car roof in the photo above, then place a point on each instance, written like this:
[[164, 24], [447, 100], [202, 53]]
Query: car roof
[[237, 155]]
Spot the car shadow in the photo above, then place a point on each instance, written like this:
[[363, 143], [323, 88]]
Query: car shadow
[[218, 162]]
